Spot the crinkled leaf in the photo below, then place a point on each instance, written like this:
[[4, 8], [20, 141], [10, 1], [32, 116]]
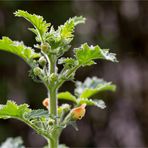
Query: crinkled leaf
[[60, 39], [13, 143], [90, 102], [33, 118], [12, 110], [91, 86], [66, 30], [86, 54], [18, 48], [41, 27], [66, 96]]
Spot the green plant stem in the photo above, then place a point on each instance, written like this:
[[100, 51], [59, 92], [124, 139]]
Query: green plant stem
[[53, 106]]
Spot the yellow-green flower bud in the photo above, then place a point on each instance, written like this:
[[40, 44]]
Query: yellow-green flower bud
[[44, 47], [37, 71], [53, 77], [42, 61]]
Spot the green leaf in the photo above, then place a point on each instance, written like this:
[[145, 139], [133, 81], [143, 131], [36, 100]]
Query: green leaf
[[37, 114], [18, 48], [60, 39], [66, 30], [92, 86], [90, 102], [41, 27], [12, 110], [13, 143], [86, 54], [66, 96], [34, 118], [68, 62]]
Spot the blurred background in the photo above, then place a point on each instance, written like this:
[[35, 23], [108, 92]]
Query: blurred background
[[121, 26]]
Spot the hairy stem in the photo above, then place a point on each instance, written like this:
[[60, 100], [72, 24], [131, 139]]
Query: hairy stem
[[52, 95]]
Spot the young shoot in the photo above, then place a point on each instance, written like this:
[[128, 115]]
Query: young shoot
[[52, 44]]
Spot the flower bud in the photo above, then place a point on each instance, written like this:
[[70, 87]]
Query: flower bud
[[44, 47], [37, 71], [51, 122], [53, 77], [78, 112], [42, 61], [63, 108], [46, 102]]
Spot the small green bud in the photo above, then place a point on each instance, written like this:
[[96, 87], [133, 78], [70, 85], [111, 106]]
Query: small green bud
[[42, 61], [37, 71], [44, 47], [51, 121], [65, 107], [53, 77]]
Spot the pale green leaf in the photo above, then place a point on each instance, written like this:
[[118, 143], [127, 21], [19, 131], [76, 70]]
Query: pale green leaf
[[21, 112], [60, 39], [18, 48], [12, 110], [86, 54], [41, 27], [90, 102], [66, 96], [92, 86], [78, 20], [66, 30]]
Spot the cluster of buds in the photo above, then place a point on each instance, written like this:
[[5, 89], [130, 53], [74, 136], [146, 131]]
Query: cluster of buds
[[37, 71], [76, 113]]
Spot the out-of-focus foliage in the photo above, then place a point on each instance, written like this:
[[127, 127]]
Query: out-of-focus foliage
[[91, 86], [13, 143]]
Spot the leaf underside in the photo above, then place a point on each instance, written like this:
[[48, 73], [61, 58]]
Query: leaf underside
[[92, 86]]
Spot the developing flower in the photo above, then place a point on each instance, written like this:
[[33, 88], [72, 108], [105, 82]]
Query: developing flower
[[78, 112], [46, 102], [42, 61], [37, 71], [44, 47]]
